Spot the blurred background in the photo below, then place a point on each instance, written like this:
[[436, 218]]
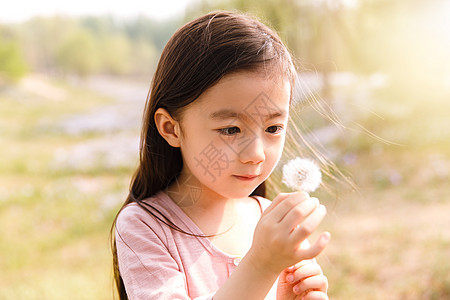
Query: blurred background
[[373, 97]]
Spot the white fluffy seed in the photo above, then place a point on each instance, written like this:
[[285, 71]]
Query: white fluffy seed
[[302, 174]]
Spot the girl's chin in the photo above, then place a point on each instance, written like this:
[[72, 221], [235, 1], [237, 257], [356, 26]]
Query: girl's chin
[[236, 188], [241, 193]]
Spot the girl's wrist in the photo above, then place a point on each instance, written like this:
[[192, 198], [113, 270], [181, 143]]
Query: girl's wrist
[[250, 280], [257, 264]]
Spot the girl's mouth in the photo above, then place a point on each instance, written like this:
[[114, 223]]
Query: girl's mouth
[[245, 177]]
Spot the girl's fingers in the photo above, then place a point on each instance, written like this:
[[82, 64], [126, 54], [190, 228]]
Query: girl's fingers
[[315, 248], [309, 224], [315, 295], [301, 263], [316, 283], [305, 271], [284, 204], [298, 213], [276, 201]]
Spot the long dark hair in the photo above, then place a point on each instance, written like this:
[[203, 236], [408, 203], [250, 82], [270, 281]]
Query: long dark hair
[[195, 58]]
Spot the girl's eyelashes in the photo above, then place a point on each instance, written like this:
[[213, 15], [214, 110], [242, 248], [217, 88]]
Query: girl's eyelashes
[[229, 131], [275, 129]]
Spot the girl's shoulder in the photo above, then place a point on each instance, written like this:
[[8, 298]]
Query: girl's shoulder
[[146, 212]]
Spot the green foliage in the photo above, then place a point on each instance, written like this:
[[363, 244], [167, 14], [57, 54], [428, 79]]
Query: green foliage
[[116, 54], [144, 57], [41, 38], [12, 62], [155, 33], [78, 54], [85, 46]]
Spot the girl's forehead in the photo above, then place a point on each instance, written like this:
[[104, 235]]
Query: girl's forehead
[[245, 90]]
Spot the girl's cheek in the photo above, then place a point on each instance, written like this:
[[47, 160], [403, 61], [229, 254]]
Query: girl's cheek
[[274, 154], [276, 147], [213, 160]]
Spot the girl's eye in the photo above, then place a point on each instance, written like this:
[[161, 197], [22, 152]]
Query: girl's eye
[[229, 130], [274, 129]]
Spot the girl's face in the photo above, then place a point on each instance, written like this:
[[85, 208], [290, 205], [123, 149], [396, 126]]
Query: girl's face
[[233, 135]]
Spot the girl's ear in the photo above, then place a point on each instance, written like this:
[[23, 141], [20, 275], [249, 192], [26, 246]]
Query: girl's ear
[[167, 127]]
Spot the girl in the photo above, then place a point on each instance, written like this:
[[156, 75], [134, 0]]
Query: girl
[[196, 224]]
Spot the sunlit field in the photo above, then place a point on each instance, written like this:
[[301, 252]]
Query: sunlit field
[[58, 192], [390, 233], [391, 238], [67, 156]]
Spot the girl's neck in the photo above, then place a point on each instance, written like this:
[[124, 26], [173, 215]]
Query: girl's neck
[[212, 213], [189, 194]]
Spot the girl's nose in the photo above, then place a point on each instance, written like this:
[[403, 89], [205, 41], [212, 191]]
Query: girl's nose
[[253, 152]]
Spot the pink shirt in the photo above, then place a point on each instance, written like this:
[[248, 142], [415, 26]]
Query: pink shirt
[[157, 262]]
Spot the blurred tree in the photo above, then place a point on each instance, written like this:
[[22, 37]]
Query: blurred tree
[[40, 38], [12, 63], [100, 26], [116, 55], [79, 54], [144, 57], [130, 47], [93, 45], [154, 32]]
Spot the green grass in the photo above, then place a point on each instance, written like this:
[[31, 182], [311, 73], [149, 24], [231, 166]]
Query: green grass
[[53, 223]]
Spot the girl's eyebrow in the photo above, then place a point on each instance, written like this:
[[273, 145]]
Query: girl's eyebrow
[[224, 114]]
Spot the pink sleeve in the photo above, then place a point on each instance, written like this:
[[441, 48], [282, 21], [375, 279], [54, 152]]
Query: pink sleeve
[[146, 266]]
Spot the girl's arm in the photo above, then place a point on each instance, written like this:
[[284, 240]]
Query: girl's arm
[[286, 223]]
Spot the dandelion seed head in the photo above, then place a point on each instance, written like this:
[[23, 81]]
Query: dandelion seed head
[[302, 174]]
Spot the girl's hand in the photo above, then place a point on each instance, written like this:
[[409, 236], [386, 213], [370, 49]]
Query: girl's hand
[[304, 280], [285, 224]]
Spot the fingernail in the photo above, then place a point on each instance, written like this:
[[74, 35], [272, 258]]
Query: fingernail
[[326, 236], [290, 278], [323, 208], [296, 289], [316, 201]]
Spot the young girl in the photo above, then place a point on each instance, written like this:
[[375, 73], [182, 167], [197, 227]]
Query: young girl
[[196, 224]]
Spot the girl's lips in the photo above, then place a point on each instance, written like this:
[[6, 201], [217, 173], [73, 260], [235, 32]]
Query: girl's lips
[[246, 177]]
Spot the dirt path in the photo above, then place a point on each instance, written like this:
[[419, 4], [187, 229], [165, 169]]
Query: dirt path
[[116, 128]]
